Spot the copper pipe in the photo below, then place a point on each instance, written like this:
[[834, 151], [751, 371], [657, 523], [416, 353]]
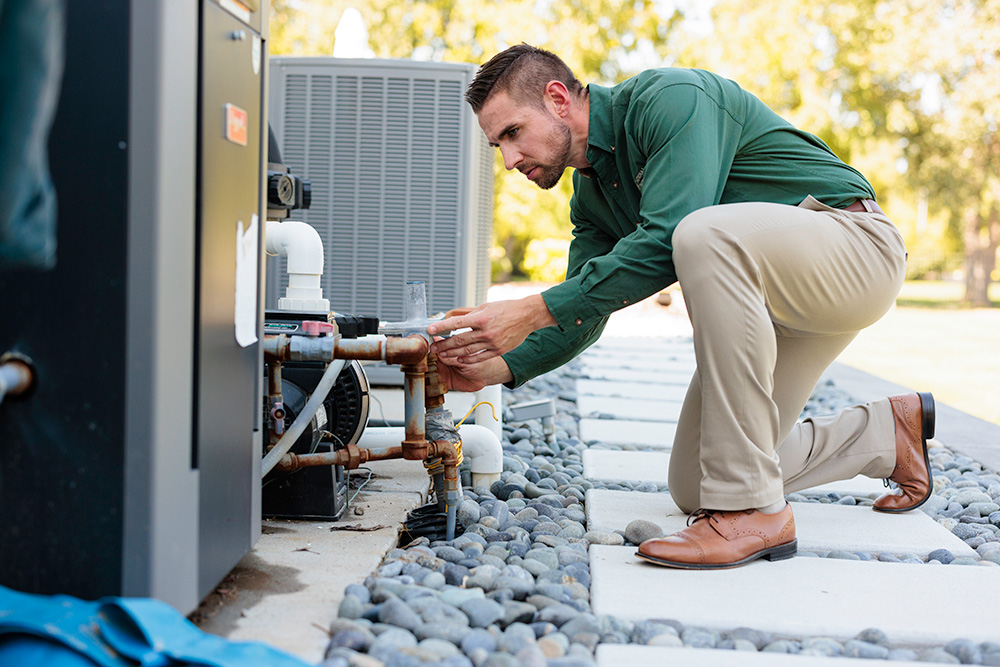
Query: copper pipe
[[350, 457], [415, 442], [392, 350], [434, 388]]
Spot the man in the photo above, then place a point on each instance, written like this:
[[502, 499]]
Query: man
[[782, 254]]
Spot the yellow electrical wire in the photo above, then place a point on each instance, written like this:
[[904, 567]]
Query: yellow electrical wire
[[473, 409]]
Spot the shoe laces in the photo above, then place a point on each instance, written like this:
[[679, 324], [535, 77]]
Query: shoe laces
[[702, 513]]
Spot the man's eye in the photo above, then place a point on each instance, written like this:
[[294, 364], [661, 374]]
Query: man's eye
[[512, 132]]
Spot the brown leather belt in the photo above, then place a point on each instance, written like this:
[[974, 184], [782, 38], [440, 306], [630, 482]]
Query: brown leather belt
[[859, 206]]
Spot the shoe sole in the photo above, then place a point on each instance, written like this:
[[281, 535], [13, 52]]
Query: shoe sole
[[780, 552], [928, 424]]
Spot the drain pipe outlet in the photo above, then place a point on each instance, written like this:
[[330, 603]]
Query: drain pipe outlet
[[479, 446], [482, 447], [303, 246]]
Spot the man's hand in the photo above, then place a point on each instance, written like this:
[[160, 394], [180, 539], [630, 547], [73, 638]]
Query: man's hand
[[496, 328], [463, 377]]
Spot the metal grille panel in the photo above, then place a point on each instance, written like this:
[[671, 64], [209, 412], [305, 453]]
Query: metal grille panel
[[402, 179]]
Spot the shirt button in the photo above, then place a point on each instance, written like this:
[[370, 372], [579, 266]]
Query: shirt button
[[612, 149], [578, 321], [615, 185], [624, 302]]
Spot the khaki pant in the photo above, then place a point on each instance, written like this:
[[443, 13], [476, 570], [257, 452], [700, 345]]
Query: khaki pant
[[774, 294]]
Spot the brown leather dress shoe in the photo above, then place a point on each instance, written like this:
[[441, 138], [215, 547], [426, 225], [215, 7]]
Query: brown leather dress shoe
[[716, 540], [914, 417]]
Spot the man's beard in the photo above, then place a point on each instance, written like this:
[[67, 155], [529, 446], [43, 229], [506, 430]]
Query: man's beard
[[550, 174]]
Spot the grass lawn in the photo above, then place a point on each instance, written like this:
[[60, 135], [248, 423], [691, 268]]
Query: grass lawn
[[953, 352]]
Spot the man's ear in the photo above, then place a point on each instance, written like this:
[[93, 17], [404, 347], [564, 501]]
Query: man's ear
[[557, 96]]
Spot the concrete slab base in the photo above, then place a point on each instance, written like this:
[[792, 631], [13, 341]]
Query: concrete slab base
[[818, 527], [287, 590], [634, 655], [652, 467], [915, 605], [663, 392], [625, 432], [635, 466], [636, 375], [638, 409], [666, 362]]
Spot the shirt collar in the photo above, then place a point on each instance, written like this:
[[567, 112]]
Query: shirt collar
[[599, 132]]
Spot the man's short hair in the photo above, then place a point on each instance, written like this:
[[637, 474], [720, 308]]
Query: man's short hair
[[522, 72]]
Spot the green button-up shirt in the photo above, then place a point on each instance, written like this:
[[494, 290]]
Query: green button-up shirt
[[661, 145]]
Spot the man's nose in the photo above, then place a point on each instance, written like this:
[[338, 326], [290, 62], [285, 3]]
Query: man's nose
[[511, 158]]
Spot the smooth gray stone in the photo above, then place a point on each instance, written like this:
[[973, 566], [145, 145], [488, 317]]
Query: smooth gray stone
[[434, 580], [855, 648], [873, 636], [390, 641], [822, 646], [500, 660], [484, 576], [640, 530], [455, 574], [350, 607], [759, 638], [941, 555], [399, 614], [517, 612], [468, 512], [356, 640], [968, 652], [938, 655], [482, 612], [700, 637], [782, 646], [545, 556], [456, 597], [478, 638], [515, 637], [445, 630], [604, 537], [558, 614]]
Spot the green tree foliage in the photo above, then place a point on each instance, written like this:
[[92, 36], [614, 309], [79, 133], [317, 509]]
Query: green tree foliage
[[905, 90], [596, 38]]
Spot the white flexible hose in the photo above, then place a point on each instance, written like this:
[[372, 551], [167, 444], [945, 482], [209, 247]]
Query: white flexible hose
[[300, 423]]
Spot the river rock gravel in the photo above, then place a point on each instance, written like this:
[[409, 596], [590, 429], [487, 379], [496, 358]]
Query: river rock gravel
[[513, 589]]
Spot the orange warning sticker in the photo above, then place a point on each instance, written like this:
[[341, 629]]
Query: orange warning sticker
[[236, 125]]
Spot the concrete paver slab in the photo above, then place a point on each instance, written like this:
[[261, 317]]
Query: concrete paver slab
[[665, 392], [652, 467], [624, 432], [639, 362], [802, 597], [636, 655], [641, 346], [635, 466], [818, 527], [681, 377], [639, 409]]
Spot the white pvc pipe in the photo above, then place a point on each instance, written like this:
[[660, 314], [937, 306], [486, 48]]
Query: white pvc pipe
[[305, 416], [303, 246], [300, 242], [479, 445], [484, 415]]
